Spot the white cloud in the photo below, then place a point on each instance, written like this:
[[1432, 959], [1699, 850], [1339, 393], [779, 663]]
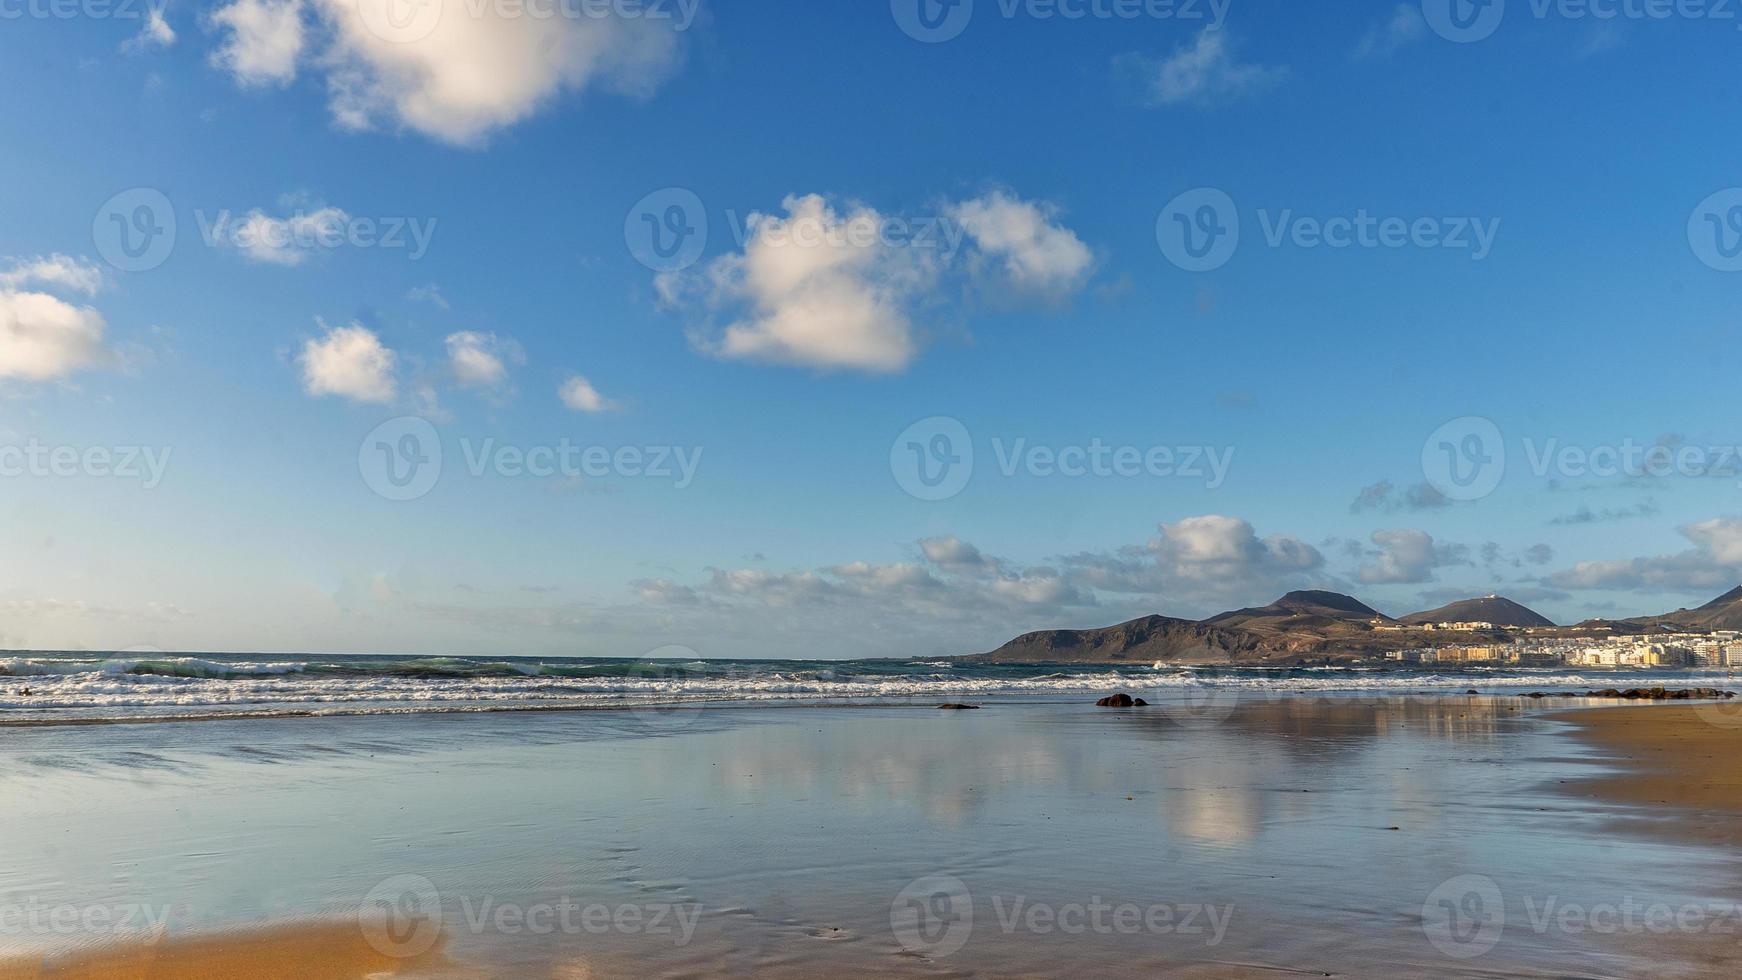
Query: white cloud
[[1713, 563], [289, 240], [264, 43], [1408, 556], [43, 338], [957, 555], [155, 34], [350, 362], [822, 290], [1036, 253], [75, 274], [1203, 73], [478, 360], [1194, 565], [579, 395], [472, 70], [1405, 26], [1214, 548]]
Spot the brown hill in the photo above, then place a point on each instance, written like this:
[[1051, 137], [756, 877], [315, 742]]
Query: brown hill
[[1722, 613], [1146, 640], [1299, 626], [1498, 610]]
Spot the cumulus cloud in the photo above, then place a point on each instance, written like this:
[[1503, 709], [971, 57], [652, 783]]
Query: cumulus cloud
[[953, 553], [155, 34], [480, 360], [818, 288], [262, 40], [1203, 73], [579, 395], [42, 336], [289, 240], [835, 288], [1023, 238], [350, 362], [1713, 563], [453, 70], [1408, 556], [1403, 27]]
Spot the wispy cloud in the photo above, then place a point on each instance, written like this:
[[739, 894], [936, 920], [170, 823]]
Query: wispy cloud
[[1404, 27], [1203, 73]]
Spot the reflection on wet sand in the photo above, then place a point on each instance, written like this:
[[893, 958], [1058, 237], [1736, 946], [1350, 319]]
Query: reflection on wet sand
[[1323, 826]]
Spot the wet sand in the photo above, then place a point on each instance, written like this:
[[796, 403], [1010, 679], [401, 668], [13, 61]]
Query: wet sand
[[1681, 763], [1255, 837], [313, 951]]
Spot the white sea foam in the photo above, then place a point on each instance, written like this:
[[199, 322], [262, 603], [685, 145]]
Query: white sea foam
[[115, 689]]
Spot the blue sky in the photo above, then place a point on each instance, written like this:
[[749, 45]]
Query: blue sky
[[993, 213]]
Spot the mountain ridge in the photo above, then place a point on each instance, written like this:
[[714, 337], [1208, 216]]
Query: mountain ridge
[[1315, 626]]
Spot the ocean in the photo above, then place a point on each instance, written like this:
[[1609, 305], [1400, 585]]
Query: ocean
[[43, 688]]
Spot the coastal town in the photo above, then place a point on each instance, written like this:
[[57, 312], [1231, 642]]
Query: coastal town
[[1516, 646]]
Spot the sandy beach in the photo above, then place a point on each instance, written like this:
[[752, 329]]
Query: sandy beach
[[1677, 763], [1389, 836]]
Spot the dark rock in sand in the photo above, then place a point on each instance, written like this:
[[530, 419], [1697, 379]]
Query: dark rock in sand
[[1121, 701], [958, 707]]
